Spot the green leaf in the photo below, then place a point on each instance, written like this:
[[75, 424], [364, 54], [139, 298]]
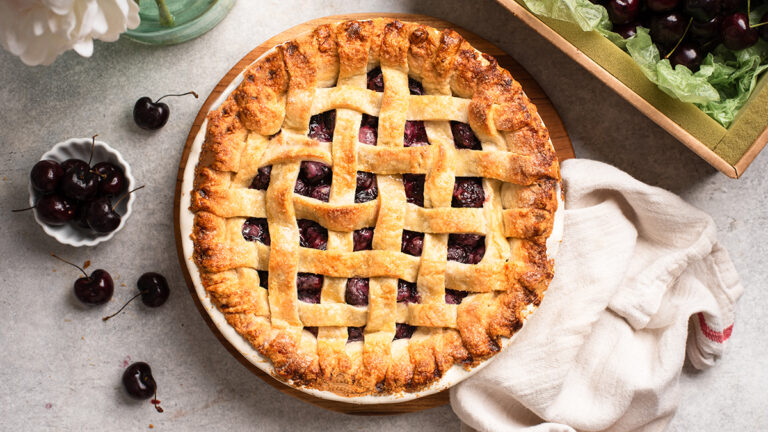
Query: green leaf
[[720, 87]]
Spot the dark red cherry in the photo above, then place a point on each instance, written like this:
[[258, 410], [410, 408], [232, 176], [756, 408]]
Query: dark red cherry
[[464, 137], [623, 11], [80, 183], [261, 181], [365, 189], [355, 334], [407, 292], [466, 248], [703, 32], [73, 163], [454, 297], [736, 32], [93, 289], [263, 278], [55, 209], [312, 235], [626, 30], [667, 29], [363, 239], [140, 384], [356, 292], [153, 115], [309, 286], [702, 10], [688, 55], [403, 331], [414, 188], [153, 289], [369, 130], [46, 176], [322, 192], [468, 192], [415, 87], [321, 126], [256, 229], [111, 178], [412, 243], [314, 172], [101, 215], [375, 80], [661, 5], [415, 134]]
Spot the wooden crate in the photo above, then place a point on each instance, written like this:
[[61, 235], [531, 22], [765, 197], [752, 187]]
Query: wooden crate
[[729, 150]]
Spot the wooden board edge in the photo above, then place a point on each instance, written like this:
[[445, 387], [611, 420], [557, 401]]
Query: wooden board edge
[[431, 401]]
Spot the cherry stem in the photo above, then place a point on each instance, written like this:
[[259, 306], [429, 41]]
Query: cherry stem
[[156, 402], [121, 309], [690, 21], [73, 265], [21, 210], [127, 193], [181, 94], [93, 145]]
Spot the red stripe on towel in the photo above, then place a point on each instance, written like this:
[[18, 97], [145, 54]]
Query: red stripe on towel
[[714, 335]]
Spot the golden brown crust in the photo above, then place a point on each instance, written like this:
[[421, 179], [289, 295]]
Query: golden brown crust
[[265, 121]]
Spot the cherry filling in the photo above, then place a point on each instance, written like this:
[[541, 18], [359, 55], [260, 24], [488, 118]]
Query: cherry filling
[[369, 130], [312, 235], [366, 189], [415, 134], [356, 293], [466, 248], [413, 242], [414, 188], [321, 126], [312, 330], [355, 334], [263, 278], [415, 87], [464, 137], [314, 180], [261, 181], [376, 80], [407, 292], [256, 229], [468, 192], [403, 331], [363, 239], [454, 297], [309, 286]]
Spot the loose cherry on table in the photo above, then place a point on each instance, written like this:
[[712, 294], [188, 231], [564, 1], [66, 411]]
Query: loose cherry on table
[[140, 384], [93, 289], [153, 115], [153, 289]]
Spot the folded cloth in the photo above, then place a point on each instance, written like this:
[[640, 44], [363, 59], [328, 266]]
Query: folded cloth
[[640, 280]]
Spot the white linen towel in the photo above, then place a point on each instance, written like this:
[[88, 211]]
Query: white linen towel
[[640, 280]]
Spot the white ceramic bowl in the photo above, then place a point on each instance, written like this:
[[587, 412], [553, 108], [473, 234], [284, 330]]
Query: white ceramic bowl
[[80, 148]]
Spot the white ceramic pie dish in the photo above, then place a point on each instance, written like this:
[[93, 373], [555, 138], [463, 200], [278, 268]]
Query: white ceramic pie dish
[[80, 148], [186, 221]]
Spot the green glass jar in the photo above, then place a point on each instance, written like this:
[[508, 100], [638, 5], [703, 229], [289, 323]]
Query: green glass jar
[[168, 22]]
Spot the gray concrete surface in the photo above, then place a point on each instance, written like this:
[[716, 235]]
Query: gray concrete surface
[[60, 365]]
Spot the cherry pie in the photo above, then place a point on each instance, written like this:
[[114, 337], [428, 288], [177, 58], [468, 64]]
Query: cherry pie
[[372, 205]]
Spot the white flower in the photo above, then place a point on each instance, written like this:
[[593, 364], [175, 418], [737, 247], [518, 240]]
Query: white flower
[[39, 30]]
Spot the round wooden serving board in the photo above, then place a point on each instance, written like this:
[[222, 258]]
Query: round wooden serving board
[[557, 132]]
